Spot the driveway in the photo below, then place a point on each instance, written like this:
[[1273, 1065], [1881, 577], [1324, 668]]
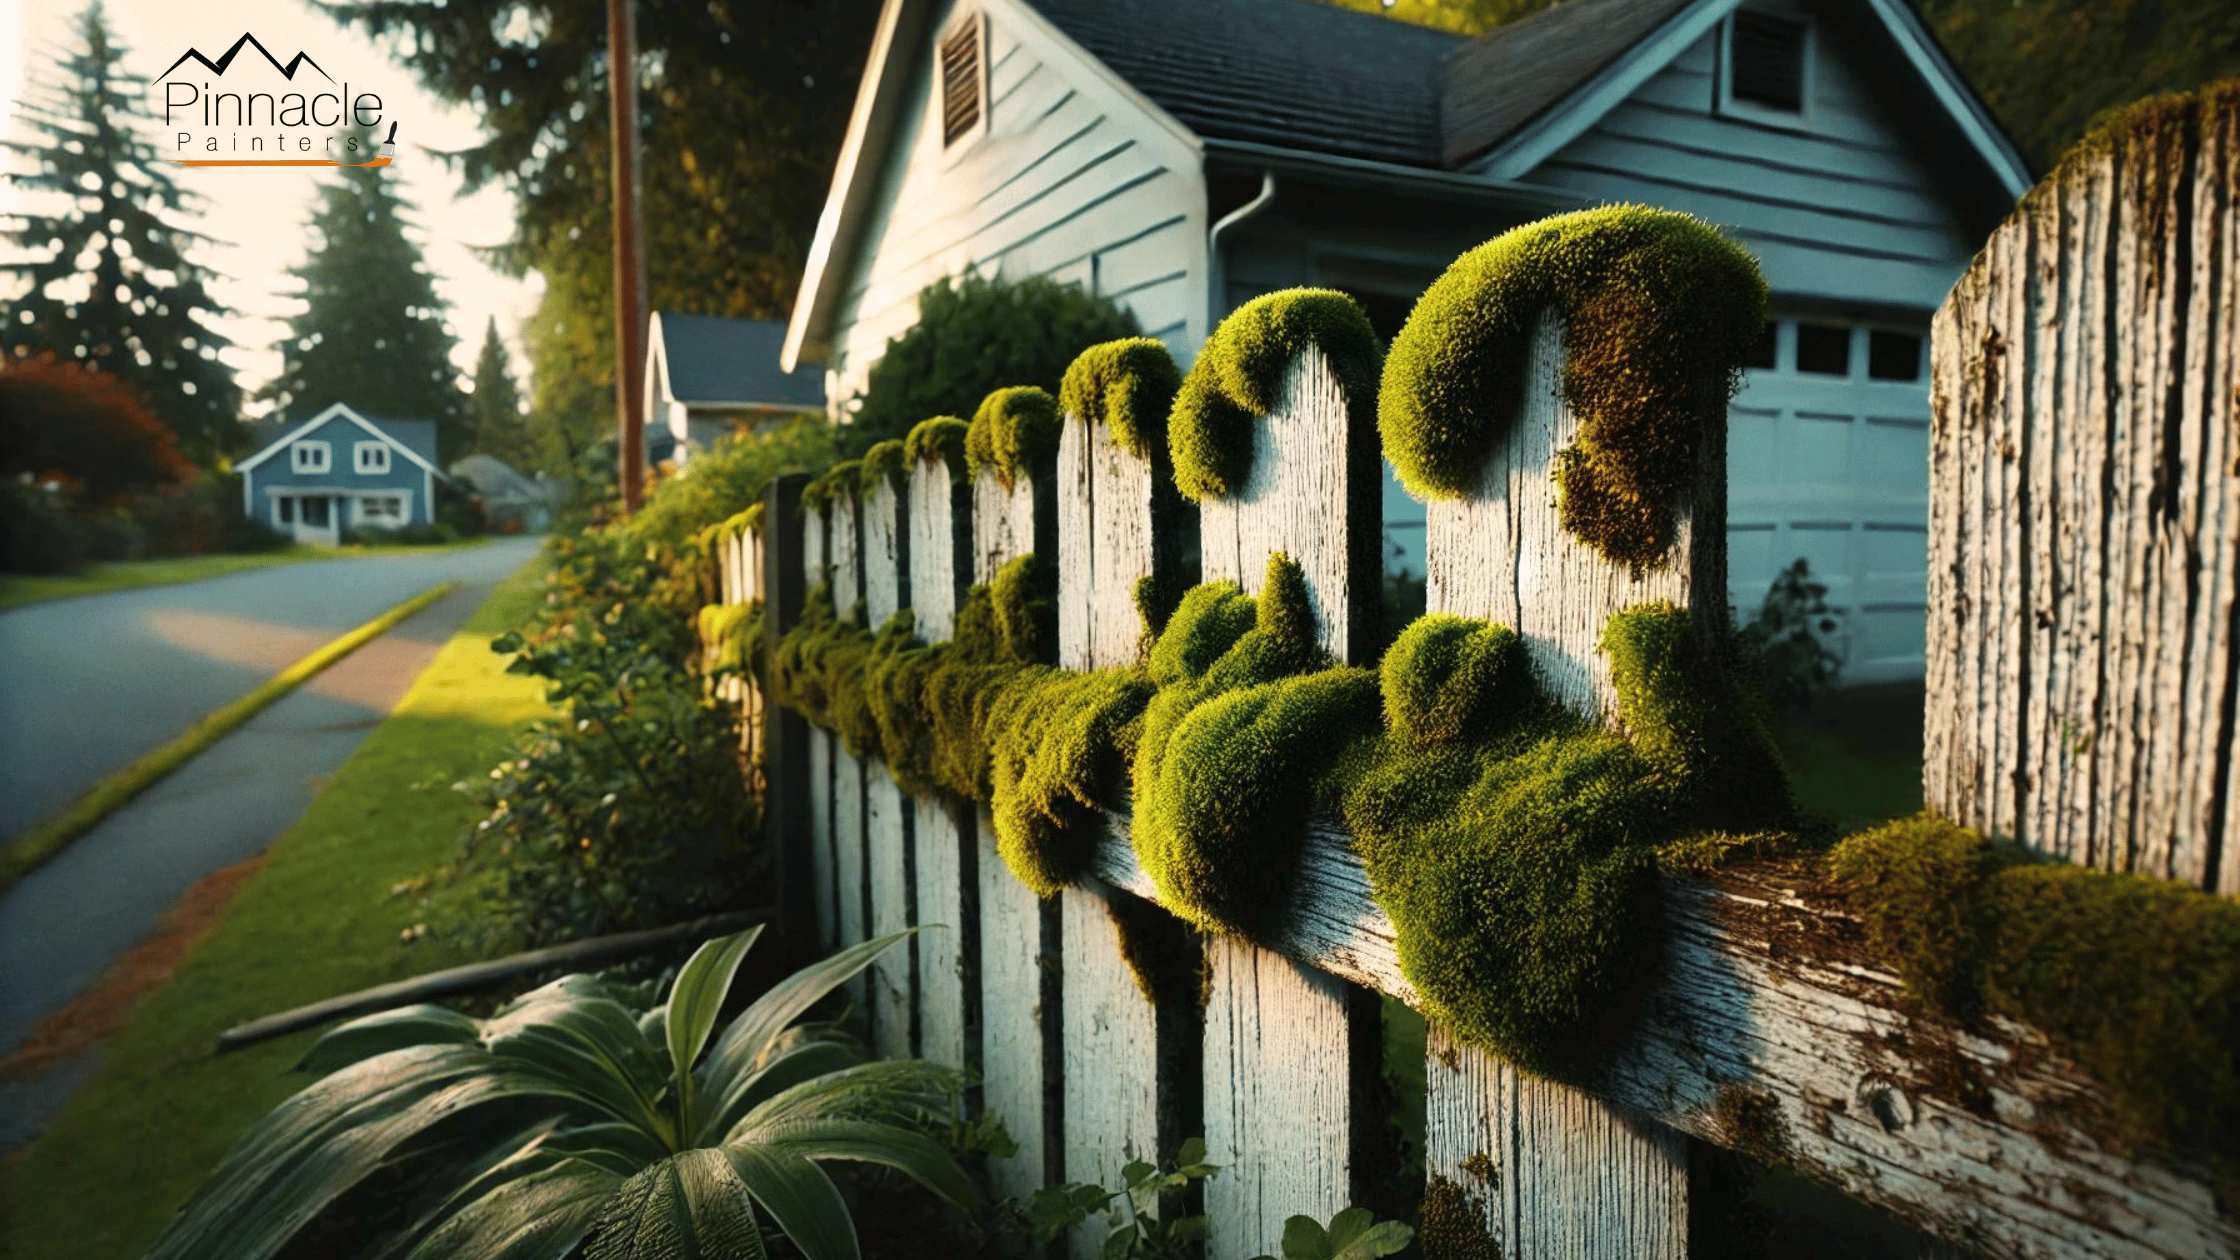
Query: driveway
[[89, 684]]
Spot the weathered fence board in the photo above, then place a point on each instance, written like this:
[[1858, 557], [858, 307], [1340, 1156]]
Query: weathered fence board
[[1020, 982], [1280, 1038], [887, 817], [821, 747], [2084, 542], [939, 509], [844, 552]]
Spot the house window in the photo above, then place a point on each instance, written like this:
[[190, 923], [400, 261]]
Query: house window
[[285, 505], [1767, 67], [1893, 356], [381, 509], [1824, 349], [963, 81], [373, 457], [310, 457]]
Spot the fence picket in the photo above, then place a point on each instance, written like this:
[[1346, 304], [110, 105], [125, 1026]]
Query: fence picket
[[1284, 1042], [887, 817], [1020, 986], [2080, 688], [1502, 554], [815, 572], [844, 540], [939, 506]]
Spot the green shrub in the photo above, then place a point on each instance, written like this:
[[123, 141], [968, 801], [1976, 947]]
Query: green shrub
[[976, 334], [1781, 646]]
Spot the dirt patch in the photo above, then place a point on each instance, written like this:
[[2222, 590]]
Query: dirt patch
[[102, 1009]]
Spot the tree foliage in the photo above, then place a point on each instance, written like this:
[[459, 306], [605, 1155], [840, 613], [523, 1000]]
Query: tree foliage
[[63, 420], [495, 424], [372, 332], [976, 334], [109, 283], [742, 108]]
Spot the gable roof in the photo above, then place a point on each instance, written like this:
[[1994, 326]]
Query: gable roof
[[706, 360], [1511, 74], [1301, 75], [414, 439]]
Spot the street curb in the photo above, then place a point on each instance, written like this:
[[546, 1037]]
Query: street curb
[[28, 851]]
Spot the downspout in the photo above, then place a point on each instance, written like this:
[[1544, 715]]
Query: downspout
[[1217, 281]]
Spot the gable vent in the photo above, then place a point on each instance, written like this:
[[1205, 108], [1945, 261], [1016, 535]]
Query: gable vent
[[1767, 55], [960, 81]]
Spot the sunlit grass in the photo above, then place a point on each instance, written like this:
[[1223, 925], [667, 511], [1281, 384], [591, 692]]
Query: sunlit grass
[[124, 575], [322, 918]]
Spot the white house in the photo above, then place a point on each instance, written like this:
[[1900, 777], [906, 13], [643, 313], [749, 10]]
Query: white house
[[1183, 156], [706, 376], [341, 469]]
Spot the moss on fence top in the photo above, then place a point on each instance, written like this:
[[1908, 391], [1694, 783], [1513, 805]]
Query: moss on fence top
[[1129, 384], [1014, 433], [888, 460], [1658, 310], [835, 482], [942, 437], [1239, 376]]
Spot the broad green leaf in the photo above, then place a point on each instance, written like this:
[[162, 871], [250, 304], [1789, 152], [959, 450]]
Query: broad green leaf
[[800, 1054], [745, 1041], [1192, 1154], [910, 1153], [1304, 1239], [697, 996], [1119, 1243], [800, 1198], [691, 1206], [383, 1031], [504, 1160], [885, 1089], [622, 1148], [588, 1043], [539, 1216], [1385, 1238]]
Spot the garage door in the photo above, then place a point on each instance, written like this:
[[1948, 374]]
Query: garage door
[[1828, 460]]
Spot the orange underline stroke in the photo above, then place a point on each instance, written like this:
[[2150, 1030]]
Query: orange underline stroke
[[381, 161]]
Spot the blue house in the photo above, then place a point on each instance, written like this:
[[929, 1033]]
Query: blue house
[[339, 470], [707, 377]]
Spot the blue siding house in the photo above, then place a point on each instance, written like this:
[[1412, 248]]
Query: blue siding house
[[339, 470]]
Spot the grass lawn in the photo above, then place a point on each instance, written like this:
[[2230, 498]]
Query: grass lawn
[[124, 575], [322, 918], [1855, 759]]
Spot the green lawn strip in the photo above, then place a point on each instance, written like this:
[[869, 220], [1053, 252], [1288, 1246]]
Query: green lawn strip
[[124, 575], [323, 917], [43, 840]]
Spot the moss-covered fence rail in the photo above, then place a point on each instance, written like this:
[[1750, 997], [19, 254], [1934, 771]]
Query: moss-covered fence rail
[[1547, 816]]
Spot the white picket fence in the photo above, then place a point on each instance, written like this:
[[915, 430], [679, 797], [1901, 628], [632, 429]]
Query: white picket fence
[[1762, 989]]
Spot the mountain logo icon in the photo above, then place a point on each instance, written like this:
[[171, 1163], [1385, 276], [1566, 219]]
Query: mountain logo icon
[[287, 71]]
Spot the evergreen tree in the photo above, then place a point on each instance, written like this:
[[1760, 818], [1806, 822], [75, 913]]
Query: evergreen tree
[[109, 286], [372, 332], [496, 426]]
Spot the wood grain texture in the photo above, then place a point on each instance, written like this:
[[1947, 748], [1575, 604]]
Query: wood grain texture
[[1110, 1079], [1279, 1097], [1767, 986], [1573, 1178], [2085, 534], [1003, 522], [822, 746], [944, 847], [850, 874], [1019, 1045], [938, 508], [844, 552], [1108, 503], [888, 818]]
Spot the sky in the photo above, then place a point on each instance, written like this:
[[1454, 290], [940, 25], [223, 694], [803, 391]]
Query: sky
[[258, 216]]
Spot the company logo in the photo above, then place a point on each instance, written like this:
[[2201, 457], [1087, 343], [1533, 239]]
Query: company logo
[[300, 117]]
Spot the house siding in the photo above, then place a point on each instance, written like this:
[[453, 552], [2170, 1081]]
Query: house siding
[[341, 435], [1070, 179]]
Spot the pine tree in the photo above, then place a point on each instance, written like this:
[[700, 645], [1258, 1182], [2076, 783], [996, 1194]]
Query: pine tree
[[372, 332], [110, 286], [497, 427]]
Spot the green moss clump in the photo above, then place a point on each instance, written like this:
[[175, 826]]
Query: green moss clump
[[1167, 959], [1239, 376], [943, 438], [1446, 677], [1454, 1224], [1751, 1121], [2136, 979], [888, 460], [1014, 434], [1130, 384], [732, 636], [1480, 1165], [1658, 311], [1023, 605], [1062, 739], [1689, 712], [837, 481]]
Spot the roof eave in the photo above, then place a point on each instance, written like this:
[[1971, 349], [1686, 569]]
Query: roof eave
[[1453, 184]]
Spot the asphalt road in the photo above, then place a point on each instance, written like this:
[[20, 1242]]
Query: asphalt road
[[63, 924], [91, 683]]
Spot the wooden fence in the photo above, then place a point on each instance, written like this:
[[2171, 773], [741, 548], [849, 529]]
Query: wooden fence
[[1764, 993]]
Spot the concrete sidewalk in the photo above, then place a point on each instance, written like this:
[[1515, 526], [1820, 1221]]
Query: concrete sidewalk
[[63, 924]]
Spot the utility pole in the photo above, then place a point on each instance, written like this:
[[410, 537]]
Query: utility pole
[[629, 270]]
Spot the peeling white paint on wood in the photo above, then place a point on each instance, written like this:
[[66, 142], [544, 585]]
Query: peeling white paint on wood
[[844, 550], [2086, 543], [886, 830], [1013, 1024], [1104, 545], [1110, 1035], [939, 508]]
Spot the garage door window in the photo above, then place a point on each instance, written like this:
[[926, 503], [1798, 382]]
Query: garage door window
[[1893, 356], [1823, 349]]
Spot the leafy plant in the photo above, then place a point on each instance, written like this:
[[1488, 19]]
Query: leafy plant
[[1793, 663], [1354, 1234], [1138, 1231], [571, 1125]]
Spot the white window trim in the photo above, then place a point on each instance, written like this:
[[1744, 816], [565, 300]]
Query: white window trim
[[361, 463], [1752, 111], [951, 150], [404, 507], [297, 463]]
